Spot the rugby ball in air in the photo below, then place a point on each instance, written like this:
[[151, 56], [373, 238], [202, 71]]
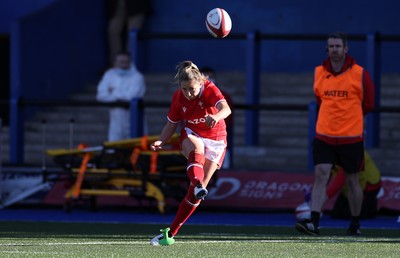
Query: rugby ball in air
[[218, 23]]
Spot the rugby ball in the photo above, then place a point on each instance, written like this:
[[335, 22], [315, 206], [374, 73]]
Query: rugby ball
[[218, 23], [303, 212]]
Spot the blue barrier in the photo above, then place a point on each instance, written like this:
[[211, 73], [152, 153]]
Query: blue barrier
[[137, 118], [134, 47], [252, 87], [16, 132], [373, 67], [16, 113], [312, 121]]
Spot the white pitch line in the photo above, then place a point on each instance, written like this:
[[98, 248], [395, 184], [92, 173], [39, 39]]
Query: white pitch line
[[145, 242], [142, 242], [74, 243], [31, 252]]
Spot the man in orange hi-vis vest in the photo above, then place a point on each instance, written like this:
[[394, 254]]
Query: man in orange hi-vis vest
[[345, 93]]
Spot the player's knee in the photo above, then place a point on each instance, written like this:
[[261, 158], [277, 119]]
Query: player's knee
[[196, 158], [353, 184], [322, 175]]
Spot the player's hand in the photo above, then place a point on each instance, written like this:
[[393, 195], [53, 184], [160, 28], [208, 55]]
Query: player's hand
[[155, 146], [211, 121]]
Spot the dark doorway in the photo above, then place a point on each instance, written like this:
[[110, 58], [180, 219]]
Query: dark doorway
[[4, 78]]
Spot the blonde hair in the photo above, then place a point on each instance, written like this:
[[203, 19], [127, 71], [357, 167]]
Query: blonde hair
[[188, 71]]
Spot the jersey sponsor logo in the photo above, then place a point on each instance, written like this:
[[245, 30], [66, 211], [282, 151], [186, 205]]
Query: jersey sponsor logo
[[197, 121], [336, 93], [184, 109]]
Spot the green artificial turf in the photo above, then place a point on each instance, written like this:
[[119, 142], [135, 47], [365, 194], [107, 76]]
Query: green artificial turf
[[55, 239]]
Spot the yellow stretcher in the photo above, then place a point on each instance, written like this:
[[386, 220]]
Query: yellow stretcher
[[121, 168]]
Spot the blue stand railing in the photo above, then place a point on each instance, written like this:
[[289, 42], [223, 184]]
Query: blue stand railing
[[373, 67], [134, 47], [312, 121], [252, 88], [16, 112], [16, 132], [137, 118]]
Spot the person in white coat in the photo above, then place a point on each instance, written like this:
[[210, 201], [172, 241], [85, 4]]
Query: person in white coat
[[121, 83]]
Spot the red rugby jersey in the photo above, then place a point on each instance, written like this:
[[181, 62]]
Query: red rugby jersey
[[194, 112]]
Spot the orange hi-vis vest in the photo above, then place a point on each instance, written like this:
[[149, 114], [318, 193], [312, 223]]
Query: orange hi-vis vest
[[340, 114]]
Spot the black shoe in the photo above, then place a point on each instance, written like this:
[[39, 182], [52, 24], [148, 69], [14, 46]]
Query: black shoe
[[354, 229], [307, 227], [200, 192]]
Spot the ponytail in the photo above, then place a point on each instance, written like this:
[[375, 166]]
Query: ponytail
[[188, 71]]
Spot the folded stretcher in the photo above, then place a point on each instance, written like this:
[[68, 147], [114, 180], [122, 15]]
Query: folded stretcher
[[124, 168]]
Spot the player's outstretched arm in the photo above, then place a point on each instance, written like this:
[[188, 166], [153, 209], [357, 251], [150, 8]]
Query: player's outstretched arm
[[167, 132]]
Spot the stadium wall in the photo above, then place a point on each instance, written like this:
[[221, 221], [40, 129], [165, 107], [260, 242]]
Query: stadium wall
[[269, 17], [75, 36]]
